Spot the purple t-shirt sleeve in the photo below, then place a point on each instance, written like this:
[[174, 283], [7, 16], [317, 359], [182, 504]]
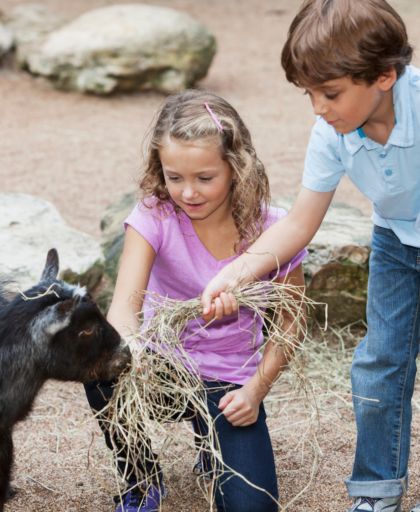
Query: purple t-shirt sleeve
[[147, 224], [274, 215]]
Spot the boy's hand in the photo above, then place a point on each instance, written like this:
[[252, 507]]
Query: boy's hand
[[241, 407], [223, 305]]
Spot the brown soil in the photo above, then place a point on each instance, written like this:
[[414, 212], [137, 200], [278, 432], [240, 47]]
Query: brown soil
[[80, 152]]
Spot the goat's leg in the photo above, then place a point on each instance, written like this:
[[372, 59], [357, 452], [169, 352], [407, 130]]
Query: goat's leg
[[6, 460]]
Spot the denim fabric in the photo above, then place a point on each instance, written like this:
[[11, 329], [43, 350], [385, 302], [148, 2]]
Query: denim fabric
[[245, 450], [384, 369]]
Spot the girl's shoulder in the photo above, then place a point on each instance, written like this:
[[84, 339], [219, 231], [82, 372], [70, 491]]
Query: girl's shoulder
[[273, 214], [148, 210], [153, 221]]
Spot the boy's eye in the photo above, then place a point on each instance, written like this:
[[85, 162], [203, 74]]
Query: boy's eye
[[331, 96]]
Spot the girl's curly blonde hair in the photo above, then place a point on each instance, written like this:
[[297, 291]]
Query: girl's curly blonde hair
[[184, 117]]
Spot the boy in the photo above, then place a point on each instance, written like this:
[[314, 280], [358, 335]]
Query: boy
[[351, 57]]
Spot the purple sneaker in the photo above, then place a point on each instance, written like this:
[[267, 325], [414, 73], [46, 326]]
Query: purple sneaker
[[142, 499]]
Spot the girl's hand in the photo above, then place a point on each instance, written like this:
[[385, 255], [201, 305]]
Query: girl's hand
[[241, 406], [223, 305]]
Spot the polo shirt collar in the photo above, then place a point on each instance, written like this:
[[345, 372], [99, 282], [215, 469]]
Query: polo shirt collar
[[402, 134]]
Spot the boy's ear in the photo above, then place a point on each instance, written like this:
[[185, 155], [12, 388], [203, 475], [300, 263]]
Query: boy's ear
[[387, 79]]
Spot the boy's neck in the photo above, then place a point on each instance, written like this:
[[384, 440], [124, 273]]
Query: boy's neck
[[382, 121]]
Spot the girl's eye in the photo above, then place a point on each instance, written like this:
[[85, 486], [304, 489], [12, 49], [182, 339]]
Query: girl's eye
[[206, 179], [173, 178], [331, 96]]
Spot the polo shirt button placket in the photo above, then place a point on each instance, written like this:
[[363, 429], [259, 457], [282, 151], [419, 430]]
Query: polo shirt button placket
[[388, 172]]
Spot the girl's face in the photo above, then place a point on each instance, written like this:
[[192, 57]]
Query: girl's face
[[197, 178]]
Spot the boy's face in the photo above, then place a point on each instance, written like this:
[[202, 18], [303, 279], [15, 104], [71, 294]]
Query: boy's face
[[346, 105]]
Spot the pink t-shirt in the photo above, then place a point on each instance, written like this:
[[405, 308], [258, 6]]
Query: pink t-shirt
[[227, 349]]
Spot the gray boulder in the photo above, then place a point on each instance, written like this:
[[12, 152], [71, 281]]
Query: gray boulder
[[6, 40], [29, 227], [29, 22], [123, 47], [336, 269]]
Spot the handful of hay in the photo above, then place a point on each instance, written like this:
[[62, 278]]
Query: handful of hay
[[163, 384]]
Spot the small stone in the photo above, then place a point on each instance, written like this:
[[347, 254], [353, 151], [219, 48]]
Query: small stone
[[79, 484]]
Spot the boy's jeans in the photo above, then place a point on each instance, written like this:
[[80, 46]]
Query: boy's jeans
[[384, 369]]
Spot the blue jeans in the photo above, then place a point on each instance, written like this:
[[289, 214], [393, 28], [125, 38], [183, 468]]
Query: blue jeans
[[384, 369], [247, 450]]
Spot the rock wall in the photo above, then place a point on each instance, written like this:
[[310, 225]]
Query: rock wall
[[336, 269], [29, 227]]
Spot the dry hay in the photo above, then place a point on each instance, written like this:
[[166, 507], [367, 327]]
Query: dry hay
[[163, 383]]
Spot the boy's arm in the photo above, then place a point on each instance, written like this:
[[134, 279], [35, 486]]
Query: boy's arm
[[283, 240], [133, 277], [241, 407]]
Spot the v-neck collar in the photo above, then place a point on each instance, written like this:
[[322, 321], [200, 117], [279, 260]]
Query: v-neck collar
[[188, 230]]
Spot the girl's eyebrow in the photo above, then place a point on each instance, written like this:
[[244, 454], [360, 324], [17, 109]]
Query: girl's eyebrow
[[205, 171]]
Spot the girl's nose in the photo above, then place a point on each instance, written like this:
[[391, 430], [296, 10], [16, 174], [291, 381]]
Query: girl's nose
[[189, 193]]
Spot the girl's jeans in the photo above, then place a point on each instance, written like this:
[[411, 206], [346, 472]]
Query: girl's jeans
[[247, 450], [384, 369]]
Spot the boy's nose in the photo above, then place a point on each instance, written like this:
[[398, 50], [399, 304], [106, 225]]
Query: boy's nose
[[320, 108]]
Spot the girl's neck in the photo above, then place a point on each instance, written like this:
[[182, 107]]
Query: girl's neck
[[218, 232]]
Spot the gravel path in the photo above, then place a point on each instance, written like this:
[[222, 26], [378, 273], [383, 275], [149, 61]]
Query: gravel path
[[80, 152]]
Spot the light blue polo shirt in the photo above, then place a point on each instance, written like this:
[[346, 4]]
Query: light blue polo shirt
[[388, 175]]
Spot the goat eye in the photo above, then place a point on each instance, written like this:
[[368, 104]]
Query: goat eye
[[86, 333]]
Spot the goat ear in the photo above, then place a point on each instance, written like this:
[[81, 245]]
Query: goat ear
[[50, 271], [58, 317]]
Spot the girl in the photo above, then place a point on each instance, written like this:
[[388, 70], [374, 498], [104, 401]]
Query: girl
[[205, 199]]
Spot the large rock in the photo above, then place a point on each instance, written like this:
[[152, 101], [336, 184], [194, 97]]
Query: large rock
[[29, 227], [6, 40], [123, 47], [336, 269], [29, 22]]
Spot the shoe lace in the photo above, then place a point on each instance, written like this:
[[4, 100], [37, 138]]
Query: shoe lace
[[137, 496]]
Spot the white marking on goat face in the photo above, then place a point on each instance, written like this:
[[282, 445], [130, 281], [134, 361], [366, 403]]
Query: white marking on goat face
[[76, 289], [79, 291], [48, 324]]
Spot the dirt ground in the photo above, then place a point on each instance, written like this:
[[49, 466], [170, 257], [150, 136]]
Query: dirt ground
[[80, 152]]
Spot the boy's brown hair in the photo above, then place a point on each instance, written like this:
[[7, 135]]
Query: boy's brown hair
[[330, 39]]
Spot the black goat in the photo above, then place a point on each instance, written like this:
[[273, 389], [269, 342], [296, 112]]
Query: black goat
[[52, 331]]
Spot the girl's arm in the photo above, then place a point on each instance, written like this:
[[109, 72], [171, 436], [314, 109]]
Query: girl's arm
[[133, 277], [241, 407], [283, 240]]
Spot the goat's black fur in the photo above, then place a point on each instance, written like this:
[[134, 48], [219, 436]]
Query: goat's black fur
[[59, 335]]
